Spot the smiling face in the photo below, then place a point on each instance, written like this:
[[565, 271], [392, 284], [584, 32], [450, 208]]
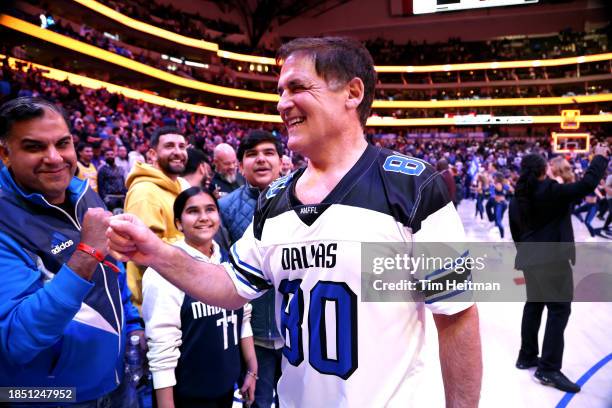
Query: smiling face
[[261, 165], [171, 154], [200, 222], [226, 164], [312, 109], [41, 155]]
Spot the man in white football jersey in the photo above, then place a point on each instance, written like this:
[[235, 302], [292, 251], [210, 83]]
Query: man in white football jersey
[[305, 245]]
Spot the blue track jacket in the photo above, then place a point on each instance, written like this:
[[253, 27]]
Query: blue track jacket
[[57, 329]]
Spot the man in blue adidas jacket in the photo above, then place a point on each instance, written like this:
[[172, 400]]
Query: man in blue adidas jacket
[[64, 313]]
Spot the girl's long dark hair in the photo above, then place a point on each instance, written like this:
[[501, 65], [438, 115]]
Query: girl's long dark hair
[[532, 167]]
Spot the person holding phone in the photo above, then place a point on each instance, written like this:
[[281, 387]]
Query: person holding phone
[[541, 213]]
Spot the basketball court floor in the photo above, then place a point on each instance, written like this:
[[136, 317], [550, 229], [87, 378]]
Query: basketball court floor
[[588, 344]]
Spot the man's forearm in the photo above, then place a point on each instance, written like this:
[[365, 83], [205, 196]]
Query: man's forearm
[[207, 282], [165, 397], [247, 346], [460, 357]]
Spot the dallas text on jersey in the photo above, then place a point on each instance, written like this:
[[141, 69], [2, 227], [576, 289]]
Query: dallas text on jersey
[[309, 256]]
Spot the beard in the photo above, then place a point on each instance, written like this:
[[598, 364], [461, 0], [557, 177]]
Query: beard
[[171, 168], [230, 178]]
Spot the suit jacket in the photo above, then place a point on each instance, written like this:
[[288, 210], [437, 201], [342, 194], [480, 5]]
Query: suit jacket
[[552, 211]]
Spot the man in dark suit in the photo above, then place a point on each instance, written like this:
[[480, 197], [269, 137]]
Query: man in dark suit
[[541, 213]]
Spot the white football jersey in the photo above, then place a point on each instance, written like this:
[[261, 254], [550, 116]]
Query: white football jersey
[[340, 351]]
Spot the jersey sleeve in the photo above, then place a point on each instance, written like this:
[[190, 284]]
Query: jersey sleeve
[[438, 230], [245, 267]]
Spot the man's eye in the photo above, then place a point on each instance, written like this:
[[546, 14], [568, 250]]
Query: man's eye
[[32, 148]]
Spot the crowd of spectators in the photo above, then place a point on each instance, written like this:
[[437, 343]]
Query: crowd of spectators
[[391, 86], [485, 167], [111, 120], [564, 44], [181, 22], [120, 128], [213, 73]]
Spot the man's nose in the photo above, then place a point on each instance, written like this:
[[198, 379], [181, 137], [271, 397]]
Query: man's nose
[[285, 102], [53, 156]]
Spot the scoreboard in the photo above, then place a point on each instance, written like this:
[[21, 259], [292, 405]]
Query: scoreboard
[[435, 6]]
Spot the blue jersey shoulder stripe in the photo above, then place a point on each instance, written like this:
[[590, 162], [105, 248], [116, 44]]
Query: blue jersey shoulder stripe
[[245, 281], [254, 281], [244, 265]]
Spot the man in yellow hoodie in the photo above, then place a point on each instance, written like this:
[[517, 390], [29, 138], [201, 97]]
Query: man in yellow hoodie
[[151, 193]]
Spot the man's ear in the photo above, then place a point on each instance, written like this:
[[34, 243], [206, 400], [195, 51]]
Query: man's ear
[[355, 93], [240, 168], [4, 154], [152, 154]]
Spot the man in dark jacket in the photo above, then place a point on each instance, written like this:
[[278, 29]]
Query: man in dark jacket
[[260, 158], [541, 213], [64, 303], [226, 178], [111, 182], [442, 168]]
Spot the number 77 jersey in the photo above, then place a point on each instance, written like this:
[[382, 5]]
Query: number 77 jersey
[[340, 351]]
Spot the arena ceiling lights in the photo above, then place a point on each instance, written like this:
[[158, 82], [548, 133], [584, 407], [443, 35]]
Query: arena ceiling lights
[[87, 49], [210, 46], [495, 65], [475, 103], [80, 80], [86, 82], [148, 28], [169, 35]]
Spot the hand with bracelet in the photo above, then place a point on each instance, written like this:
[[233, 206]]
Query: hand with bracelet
[[93, 247], [248, 387]]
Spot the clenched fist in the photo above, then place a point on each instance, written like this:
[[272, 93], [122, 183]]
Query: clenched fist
[[93, 229]]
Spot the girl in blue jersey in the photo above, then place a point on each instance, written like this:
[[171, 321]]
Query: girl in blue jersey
[[482, 191], [196, 351], [500, 189]]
